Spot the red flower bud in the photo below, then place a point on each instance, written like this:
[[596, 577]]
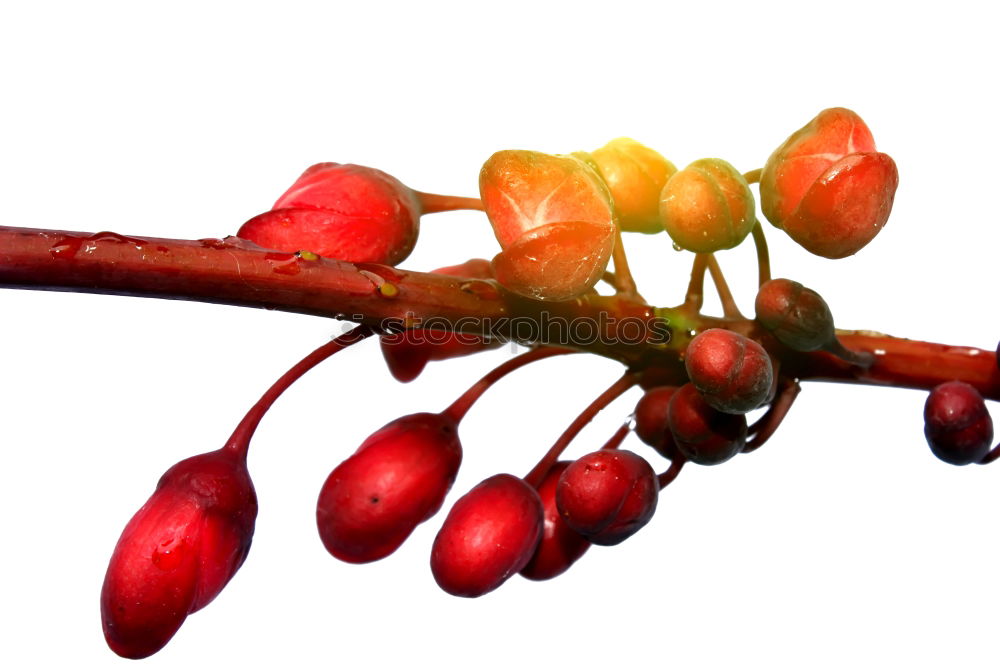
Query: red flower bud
[[178, 551], [607, 496], [651, 420], [489, 535], [957, 424], [341, 211], [707, 206], [553, 217], [731, 371], [827, 187], [397, 479], [703, 434]]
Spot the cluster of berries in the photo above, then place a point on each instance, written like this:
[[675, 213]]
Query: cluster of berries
[[558, 220]]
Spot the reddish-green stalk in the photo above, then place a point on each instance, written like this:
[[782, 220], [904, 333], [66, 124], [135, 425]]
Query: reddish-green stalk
[[762, 429], [239, 441], [616, 439], [233, 273], [440, 203], [729, 308], [538, 472], [464, 402], [666, 478]]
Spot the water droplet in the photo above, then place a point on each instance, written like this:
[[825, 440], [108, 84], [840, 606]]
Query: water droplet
[[677, 248], [485, 289], [66, 247], [283, 263], [169, 554], [214, 243], [110, 236]]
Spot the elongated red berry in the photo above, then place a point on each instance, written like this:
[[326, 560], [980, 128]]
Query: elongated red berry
[[489, 535], [407, 353], [707, 206], [635, 175], [957, 425], [178, 551], [827, 186], [651, 420], [732, 372], [397, 479], [553, 217], [560, 545], [607, 495], [796, 315], [703, 434]]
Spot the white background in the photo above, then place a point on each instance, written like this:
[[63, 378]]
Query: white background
[[842, 541]]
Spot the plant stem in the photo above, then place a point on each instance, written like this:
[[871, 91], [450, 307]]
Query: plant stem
[[439, 203], [695, 296], [239, 441], [234, 272], [667, 477], [461, 406], [619, 437], [765, 426], [623, 281], [752, 176], [763, 255], [538, 472], [729, 308]]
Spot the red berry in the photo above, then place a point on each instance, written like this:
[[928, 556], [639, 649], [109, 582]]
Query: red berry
[[397, 479], [827, 187], [731, 371], [797, 316], [341, 211], [607, 495], [707, 206], [178, 551], [560, 546], [651, 420], [407, 353], [957, 425], [703, 434], [489, 535], [553, 217]]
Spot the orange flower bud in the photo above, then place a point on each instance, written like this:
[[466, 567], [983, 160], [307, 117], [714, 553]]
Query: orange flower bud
[[707, 206]]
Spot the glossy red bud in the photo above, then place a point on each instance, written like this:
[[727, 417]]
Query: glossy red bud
[[407, 353], [607, 495], [397, 479], [703, 434], [651, 420], [957, 425], [731, 371], [827, 187], [341, 211], [553, 217], [178, 551], [560, 545], [797, 316], [490, 534]]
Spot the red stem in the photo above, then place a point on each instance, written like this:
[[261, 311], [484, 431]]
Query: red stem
[[763, 254], [729, 307], [239, 441], [619, 437], [440, 203], [624, 283], [765, 426], [671, 473], [538, 472], [234, 272], [461, 406]]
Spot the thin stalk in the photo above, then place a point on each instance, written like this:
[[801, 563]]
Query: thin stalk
[[765, 426], [239, 441], [538, 472], [695, 296], [752, 176], [623, 281], [440, 203], [671, 473], [619, 437], [729, 308], [763, 255], [461, 406]]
